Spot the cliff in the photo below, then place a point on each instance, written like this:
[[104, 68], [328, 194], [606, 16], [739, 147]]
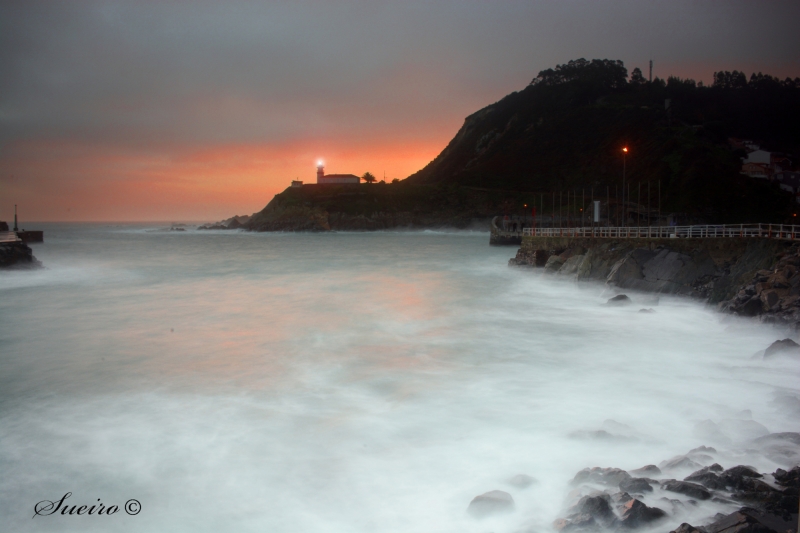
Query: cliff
[[564, 132], [749, 277]]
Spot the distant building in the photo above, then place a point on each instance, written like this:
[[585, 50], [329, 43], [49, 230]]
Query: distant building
[[351, 179], [297, 183], [756, 170]]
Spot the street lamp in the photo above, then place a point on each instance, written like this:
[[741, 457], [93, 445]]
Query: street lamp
[[624, 153]]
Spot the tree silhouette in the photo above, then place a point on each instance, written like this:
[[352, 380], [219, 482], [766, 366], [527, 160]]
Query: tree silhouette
[[368, 177]]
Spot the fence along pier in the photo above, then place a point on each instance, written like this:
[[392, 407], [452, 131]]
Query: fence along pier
[[708, 231]]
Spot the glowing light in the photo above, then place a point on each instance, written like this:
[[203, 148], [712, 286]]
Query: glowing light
[[319, 163], [625, 149]]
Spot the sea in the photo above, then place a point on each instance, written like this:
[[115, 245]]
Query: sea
[[228, 381]]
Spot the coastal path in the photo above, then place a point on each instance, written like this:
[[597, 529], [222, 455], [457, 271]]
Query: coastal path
[[765, 231]]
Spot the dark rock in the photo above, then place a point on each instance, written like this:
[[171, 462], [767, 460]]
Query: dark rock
[[636, 485], [679, 462], [619, 300], [649, 470], [686, 528], [17, 255], [650, 310], [693, 490], [747, 520], [751, 307], [604, 476], [784, 347], [521, 481], [597, 507], [788, 479], [742, 471], [636, 514], [583, 522], [492, 502]]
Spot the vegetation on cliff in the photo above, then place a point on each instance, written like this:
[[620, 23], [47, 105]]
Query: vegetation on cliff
[[567, 128]]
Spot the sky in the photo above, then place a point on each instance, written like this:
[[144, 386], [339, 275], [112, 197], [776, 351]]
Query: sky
[[197, 111]]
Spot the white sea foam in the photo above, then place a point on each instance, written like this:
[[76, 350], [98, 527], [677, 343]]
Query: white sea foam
[[346, 382]]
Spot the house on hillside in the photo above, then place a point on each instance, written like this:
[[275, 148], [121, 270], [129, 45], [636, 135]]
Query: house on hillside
[[756, 170]]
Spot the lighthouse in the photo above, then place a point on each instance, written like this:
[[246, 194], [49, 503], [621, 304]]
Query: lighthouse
[[320, 171]]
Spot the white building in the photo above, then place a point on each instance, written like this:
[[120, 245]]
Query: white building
[[351, 179]]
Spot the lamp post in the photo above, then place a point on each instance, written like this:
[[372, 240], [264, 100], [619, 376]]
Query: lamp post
[[624, 154]]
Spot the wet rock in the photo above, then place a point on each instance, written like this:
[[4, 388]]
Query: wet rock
[[783, 347], [492, 502], [521, 481], [636, 485], [597, 507], [554, 263], [619, 300], [742, 471], [650, 310], [747, 520], [584, 522], [686, 528], [603, 476], [648, 470], [693, 490], [680, 462], [636, 514]]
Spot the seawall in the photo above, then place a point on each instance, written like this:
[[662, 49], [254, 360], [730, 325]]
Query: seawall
[[749, 276]]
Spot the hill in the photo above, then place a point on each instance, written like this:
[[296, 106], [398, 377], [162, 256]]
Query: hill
[[565, 132]]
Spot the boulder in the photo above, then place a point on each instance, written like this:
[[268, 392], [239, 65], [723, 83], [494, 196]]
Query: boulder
[[619, 300], [636, 485], [570, 266], [554, 263], [596, 506], [680, 462], [783, 347], [492, 502], [636, 514], [686, 528], [648, 470], [693, 490], [604, 476], [747, 520]]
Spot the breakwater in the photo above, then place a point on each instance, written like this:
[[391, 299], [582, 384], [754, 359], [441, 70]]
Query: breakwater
[[746, 276]]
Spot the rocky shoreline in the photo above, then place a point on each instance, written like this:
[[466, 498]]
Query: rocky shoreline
[[745, 277], [693, 490]]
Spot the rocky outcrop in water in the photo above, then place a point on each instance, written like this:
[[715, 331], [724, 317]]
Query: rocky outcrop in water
[[17, 255], [772, 294]]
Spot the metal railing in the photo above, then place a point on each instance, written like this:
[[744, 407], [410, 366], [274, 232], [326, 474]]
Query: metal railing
[[767, 231], [9, 237]]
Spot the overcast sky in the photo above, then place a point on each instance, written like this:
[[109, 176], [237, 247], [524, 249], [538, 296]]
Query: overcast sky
[[158, 110]]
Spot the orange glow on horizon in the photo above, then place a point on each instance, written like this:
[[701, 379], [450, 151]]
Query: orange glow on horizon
[[67, 181]]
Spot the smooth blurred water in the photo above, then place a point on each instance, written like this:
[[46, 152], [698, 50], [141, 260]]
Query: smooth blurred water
[[339, 382]]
